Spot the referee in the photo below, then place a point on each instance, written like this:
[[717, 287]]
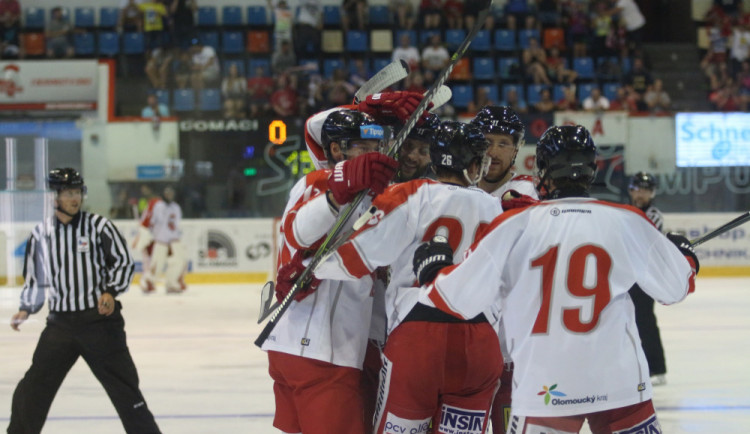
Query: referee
[[83, 263]]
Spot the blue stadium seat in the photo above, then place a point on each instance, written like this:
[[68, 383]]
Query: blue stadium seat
[[605, 66], [232, 42], [517, 87], [353, 67], [309, 62], [397, 37], [505, 40], [132, 43], [454, 37], [425, 35], [558, 92], [330, 65], [380, 16], [492, 92], [584, 66], [83, 44], [184, 100], [463, 94], [626, 64], [483, 68], [34, 18], [256, 16], [162, 96], [609, 90], [254, 64], [505, 64], [209, 38], [109, 43], [108, 17], [481, 41], [210, 100], [534, 93], [207, 16], [584, 90], [357, 41], [84, 17], [525, 35], [240, 66], [231, 16], [331, 15], [379, 63]]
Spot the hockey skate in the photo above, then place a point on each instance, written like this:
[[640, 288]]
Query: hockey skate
[[147, 285]]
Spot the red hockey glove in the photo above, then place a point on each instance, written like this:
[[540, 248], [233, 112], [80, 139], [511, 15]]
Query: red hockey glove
[[513, 199], [289, 273], [686, 249], [368, 171], [430, 258], [392, 107]]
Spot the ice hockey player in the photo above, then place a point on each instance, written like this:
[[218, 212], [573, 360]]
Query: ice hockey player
[[433, 370], [561, 270], [317, 349]]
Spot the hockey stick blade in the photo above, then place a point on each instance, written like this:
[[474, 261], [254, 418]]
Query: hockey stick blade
[[742, 219], [383, 79], [442, 96], [266, 297]]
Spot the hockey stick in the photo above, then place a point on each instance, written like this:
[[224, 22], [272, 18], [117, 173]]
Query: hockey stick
[[338, 227], [742, 219], [442, 96], [385, 78]]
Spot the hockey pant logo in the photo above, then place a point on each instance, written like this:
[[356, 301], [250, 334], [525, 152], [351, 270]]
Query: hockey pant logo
[[454, 420], [397, 425]]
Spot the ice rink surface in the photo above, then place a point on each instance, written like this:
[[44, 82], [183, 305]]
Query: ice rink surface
[[201, 373]]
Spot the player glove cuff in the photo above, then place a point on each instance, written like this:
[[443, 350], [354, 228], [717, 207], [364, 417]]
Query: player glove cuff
[[686, 249]]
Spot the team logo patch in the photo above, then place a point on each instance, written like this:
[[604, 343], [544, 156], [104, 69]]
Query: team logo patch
[[397, 425], [83, 245], [641, 387], [371, 132], [454, 420]]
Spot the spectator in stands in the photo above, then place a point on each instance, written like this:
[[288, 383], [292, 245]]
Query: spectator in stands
[[10, 26], [130, 18], [124, 207], [453, 11], [514, 101], [354, 14], [569, 100], [601, 24], [315, 99], [545, 104], [154, 108], [634, 21], [259, 89], [429, 13], [717, 75], [359, 74], [234, 91], [337, 90], [435, 57], [556, 70], [471, 12], [518, 11], [283, 58], [743, 80], [638, 78], [58, 35], [656, 99], [204, 65], [182, 19], [407, 51], [307, 28], [415, 82], [740, 46], [284, 98], [154, 15], [576, 20], [726, 98], [403, 13], [283, 18], [726, 8], [157, 67], [535, 60], [182, 68], [481, 99], [596, 102], [624, 101]]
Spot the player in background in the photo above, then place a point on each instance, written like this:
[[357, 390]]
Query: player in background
[[642, 188], [414, 155], [159, 241], [561, 270], [505, 133], [316, 351], [433, 363]]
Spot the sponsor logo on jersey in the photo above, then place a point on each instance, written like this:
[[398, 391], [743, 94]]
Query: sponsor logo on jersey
[[371, 132], [83, 245], [641, 387], [305, 342], [397, 425], [549, 392], [454, 420], [556, 211], [555, 397]]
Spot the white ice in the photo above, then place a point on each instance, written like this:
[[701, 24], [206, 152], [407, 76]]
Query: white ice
[[201, 373]]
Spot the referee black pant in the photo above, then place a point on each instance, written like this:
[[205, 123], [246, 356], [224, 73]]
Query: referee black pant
[[100, 340], [648, 331]]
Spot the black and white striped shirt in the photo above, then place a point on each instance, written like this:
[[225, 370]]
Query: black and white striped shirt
[[655, 216], [75, 263]]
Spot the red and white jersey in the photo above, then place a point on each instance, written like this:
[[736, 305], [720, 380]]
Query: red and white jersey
[[163, 220], [313, 140], [561, 270], [333, 323], [523, 184], [409, 214]]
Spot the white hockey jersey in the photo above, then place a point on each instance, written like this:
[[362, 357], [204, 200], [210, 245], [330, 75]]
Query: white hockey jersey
[[163, 220], [409, 214], [523, 184], [561, 270], [333, 323]]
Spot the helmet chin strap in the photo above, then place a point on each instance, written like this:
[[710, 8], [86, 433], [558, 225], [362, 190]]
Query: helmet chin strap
[[57, 208]]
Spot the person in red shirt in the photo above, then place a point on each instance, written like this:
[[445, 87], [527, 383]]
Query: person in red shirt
[[259, 90], [10, 14], [284, 99]]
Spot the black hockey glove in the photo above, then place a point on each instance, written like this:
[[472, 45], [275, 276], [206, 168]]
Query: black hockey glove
[[431, 257], [685, 247]]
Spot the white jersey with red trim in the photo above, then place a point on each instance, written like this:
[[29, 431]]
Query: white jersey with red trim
[[524, 184], [409, 214], [313, 136], [562, 270], [333, 323], [163, 220]]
